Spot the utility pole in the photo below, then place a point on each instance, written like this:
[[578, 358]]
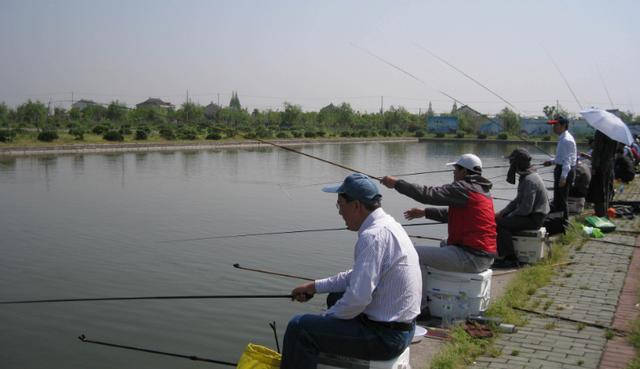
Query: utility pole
[[218, 98], [381, 105], [71, 98], [186, 108]]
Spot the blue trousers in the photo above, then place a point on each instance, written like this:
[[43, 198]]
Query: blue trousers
[[307, 335]]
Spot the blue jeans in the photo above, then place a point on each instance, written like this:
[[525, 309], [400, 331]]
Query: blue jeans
[[307, 335]]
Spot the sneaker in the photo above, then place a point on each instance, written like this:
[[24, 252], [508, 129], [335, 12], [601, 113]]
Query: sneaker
[[505, 264]]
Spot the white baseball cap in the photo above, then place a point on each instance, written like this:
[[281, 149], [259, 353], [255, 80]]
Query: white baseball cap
[[470, 162]]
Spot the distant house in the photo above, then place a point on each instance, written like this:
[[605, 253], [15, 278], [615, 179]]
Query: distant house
[[442, 124], [81, 104], [211, 110], [492, 127], [153, 102]]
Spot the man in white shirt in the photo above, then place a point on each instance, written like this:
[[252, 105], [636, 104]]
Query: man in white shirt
[[565, 161], [375, 317]]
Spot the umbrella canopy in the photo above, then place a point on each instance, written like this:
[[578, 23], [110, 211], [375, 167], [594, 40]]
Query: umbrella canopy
[[609, 124]]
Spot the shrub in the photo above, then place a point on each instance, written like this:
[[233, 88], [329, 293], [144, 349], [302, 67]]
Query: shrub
[[77, 132], [47, 136], [100, 129], [321, 133], [363, 133], [141, 134], [502, 136], [113, 136], [384, 133], [310, 134], [7, 135], [297, 134], [345, 134], [167, 133], [283, 134], [187, 133], [546, 138], [460, 134], [214, 136], [125, 129], [419, 134], [263, 132], [482, 136], [440, 134]]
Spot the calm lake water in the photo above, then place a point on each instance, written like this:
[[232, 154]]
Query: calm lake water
[[105, 225]]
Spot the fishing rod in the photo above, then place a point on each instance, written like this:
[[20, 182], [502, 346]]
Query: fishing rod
[[237, 266], [192, 297], [315, 157], [84, 339], [491, 91], [284, 232], [566, 82], [426, 238]]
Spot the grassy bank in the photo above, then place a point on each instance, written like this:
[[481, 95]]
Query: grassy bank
[[463, 349]]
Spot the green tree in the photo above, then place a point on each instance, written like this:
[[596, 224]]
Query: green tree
[[626, 117], [117, 111], [510, 120], [235, 101], [190, 112], [550, 111], [454, 108], [32, 113], [4, 115], [291, 117], [430, 111], [94, 112]]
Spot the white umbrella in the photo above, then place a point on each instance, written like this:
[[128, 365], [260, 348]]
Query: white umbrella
[[609, 124]]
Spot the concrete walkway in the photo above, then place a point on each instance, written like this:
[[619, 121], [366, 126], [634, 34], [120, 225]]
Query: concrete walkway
[[580, 310], [582, 318]]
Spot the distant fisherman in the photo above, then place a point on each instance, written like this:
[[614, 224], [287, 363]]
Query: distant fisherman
[[374, 319], [526, 211], [471, 246], [565, 163]]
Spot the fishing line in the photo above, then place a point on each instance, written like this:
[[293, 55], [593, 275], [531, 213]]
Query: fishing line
[[84, 339], [492, 92], [283, 232], [315, 157], [192, 297]]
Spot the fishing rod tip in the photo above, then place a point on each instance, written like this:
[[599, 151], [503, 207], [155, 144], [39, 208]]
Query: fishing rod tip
[[236, 265], [82, 337]]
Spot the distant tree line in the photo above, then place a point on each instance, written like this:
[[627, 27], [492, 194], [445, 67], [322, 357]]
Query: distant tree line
[[117, 122]]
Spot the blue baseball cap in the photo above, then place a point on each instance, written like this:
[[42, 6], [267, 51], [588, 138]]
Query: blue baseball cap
[[357, 186]]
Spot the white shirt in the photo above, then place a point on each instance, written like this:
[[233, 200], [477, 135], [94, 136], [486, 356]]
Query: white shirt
[[385, 282], [566, 153]]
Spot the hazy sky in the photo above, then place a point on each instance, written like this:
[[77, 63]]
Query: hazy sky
[[303, 52]]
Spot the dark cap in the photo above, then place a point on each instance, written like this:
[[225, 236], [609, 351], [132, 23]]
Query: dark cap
[[559, 119], [357, 186], [520, 154]]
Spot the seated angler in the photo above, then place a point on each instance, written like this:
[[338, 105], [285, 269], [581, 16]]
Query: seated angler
[[526, 212], [471, 245], [374, 319]]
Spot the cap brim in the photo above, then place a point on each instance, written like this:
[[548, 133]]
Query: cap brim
[[452, 163], [553, 121], [337, 188]]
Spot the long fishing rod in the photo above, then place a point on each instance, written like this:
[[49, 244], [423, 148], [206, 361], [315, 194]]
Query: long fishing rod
[[492, 92], [466, 75], [84, 339], [191, 297], [283, 232], [237, 266], [315, 157], [566, 82]]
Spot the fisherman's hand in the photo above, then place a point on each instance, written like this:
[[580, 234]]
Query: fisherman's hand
[[562, 183], [304, 292], [389, 181], [414, 213], [547, 163]]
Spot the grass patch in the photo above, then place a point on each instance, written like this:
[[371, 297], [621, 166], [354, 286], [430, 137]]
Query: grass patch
[[462, 350]]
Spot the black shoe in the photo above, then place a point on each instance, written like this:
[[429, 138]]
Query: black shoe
[[505, 264]]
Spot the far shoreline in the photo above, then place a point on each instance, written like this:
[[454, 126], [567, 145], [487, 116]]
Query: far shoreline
[[223, 144]]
